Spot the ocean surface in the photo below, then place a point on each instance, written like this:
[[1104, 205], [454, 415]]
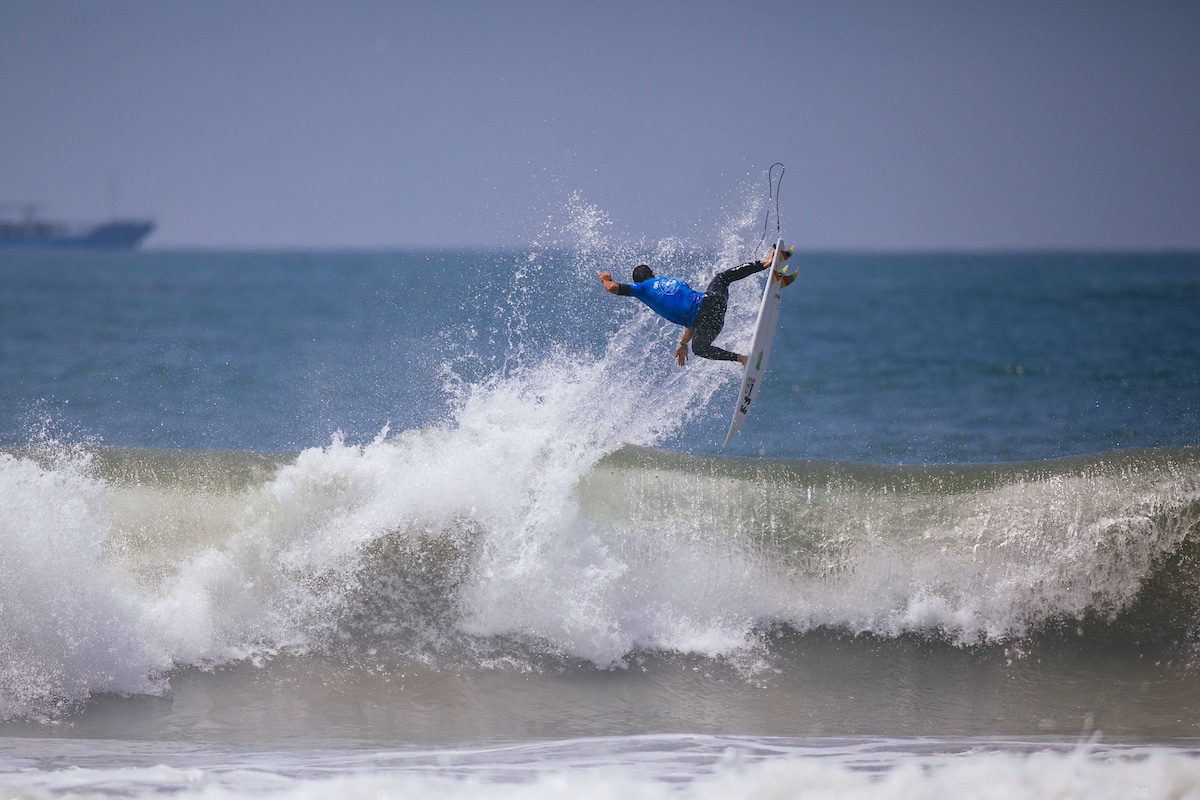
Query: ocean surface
[[453, 524]]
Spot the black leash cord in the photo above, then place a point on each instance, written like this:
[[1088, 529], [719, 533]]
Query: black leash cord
[[773, 185]]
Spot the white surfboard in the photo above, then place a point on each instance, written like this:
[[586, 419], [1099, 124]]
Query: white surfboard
[[764, 335]]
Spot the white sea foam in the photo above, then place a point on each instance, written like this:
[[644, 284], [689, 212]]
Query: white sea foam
[[66, 628], [997, 776], [534, 772]]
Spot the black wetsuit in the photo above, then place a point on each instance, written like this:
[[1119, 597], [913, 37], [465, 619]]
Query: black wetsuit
[[710, 319]]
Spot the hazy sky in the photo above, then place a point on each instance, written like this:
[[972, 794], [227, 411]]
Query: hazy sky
[[958, 124]]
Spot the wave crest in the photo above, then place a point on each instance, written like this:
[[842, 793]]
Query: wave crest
[[481, 546]]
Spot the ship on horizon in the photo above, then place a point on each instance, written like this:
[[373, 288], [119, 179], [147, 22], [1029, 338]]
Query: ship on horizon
[[30, 231]]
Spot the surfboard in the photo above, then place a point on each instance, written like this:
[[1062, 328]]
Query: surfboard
[[764, 335]]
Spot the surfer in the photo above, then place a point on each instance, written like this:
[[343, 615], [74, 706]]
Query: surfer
[[701, 315]]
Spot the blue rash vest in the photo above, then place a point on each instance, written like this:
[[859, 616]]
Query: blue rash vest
[[670, 298]]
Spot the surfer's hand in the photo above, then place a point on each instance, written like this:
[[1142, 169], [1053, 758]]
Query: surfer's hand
[[611, 286], [681, 354]]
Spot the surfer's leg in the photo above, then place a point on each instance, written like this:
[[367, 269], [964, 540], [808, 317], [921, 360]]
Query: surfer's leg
[[710, 319], [710, 351], [719, 285], [737, 273]]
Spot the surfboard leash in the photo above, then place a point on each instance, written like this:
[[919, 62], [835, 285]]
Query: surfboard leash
[[773, 185]]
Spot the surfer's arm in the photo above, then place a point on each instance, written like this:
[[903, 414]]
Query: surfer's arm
[[681, 351], [611, 286]]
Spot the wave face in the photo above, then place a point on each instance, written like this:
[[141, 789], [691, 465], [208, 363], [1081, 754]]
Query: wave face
[[503, 542]]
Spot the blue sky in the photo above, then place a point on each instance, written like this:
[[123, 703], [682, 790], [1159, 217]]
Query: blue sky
[[927, 125]]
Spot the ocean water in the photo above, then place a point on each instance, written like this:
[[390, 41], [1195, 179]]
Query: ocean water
[[454, 524]]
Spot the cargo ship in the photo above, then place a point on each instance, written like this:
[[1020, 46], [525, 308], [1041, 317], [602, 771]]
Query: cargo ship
[[30, 231]]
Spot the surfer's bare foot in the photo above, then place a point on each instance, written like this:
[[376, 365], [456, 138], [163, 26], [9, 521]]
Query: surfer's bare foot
[[743, 359]]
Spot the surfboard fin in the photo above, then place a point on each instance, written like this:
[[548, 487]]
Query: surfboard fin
[[785, 275]]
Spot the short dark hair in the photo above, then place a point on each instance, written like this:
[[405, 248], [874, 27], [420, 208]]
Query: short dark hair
[[642, 272]]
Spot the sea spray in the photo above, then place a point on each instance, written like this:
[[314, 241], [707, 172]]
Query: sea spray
[[203, 570], [67, 628]]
